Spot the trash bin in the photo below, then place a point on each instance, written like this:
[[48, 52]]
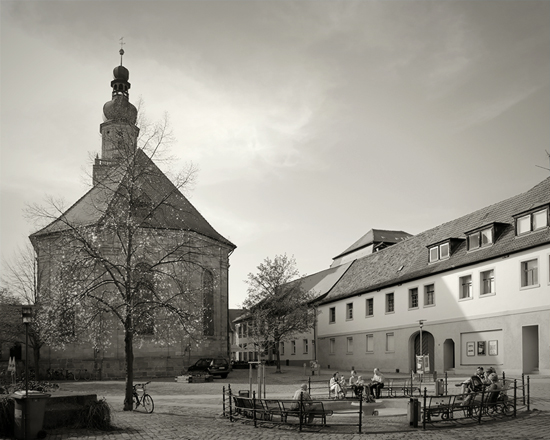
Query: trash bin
[[29, 413], [439, 387], [413, 412]]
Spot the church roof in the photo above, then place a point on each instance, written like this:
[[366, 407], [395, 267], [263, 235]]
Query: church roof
[[408, 260], [174, 211]]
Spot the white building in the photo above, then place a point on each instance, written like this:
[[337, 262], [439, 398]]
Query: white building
[[480, 284]]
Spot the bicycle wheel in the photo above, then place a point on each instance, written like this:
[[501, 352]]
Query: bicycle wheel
[[148, 403]]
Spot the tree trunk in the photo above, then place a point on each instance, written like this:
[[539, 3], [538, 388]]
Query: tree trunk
[[277, 345], [129, 353]]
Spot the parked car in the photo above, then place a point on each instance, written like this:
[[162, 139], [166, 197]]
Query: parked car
[[213, 366]]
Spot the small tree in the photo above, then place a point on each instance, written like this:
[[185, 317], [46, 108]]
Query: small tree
[[11, 326], [21, 278], [278, 307]]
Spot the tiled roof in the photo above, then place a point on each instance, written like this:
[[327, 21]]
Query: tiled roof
[[318, 284], [408, 260], [174, 212], [376, 236]]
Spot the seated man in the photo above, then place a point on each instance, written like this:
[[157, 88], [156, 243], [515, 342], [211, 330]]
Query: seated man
[[343, 385], [377, 383], [308, 406], [474, 383]]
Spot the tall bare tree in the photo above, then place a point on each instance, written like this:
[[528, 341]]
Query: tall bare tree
[[133, 250], [278, 307]]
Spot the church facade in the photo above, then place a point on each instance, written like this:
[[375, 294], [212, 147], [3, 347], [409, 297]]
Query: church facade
[[137, 253]]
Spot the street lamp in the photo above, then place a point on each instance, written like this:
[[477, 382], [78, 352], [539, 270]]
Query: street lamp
[[26, 315]]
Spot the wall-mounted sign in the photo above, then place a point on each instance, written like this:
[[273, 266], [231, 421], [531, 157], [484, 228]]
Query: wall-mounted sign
[[493, 348], [481, 348], [471, 348]]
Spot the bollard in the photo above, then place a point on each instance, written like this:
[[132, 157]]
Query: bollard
[[413, 411]]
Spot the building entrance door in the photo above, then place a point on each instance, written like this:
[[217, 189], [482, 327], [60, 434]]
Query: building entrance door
[[530, 348], [427, 350], [448, 355]]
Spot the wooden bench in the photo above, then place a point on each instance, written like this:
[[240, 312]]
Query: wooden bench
[[266, 409], [441, 406], [290, 410]]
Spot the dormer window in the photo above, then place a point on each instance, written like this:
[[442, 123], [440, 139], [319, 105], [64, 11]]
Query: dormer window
[[439, 252], [481, 238], [532, 221]]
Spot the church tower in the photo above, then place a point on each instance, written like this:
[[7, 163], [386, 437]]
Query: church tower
[[119, 132]]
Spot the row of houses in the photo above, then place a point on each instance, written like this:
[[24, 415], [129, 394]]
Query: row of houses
[[474, 290]]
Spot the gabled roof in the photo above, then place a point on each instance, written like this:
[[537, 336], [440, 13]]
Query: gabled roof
[[375, 236], [234, 314], [174, 210], [408, 260]]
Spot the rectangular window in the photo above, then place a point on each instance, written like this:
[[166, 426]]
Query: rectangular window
[[370, 343], [444, 251], [439, 252], [487, 282], [429, 295], [370, 306], [413, 298], [465, 287], [529, 273], [486, 237], [282, 349], [306, 346], [532, 222], [332, 315], [389, 303], [331, 345], [473, 241], [390, 344], [292, 347], [540, 219], [349, 311], [480, 239], [349, 345]]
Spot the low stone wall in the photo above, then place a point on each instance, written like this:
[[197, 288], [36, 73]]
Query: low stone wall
[[62, 410]]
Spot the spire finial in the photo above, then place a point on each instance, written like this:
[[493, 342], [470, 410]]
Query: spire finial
[[121, 51]]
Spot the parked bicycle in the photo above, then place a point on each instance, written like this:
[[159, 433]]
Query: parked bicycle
[[145, 399], [59, 374]]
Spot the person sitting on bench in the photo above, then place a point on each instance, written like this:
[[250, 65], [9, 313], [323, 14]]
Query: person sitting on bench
[[377, 383]]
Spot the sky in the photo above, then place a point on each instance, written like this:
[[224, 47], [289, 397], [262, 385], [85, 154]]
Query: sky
[[311, 122]]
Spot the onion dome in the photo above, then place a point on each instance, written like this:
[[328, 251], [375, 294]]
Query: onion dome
[[120, 108]]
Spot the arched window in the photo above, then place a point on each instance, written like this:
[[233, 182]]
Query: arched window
[[208, 303]]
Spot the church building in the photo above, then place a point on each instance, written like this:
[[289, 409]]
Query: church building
[[138, 256]]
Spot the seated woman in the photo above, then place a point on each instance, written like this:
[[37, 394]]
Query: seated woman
[[352, 377], [377, 383], [335, 387], [493, 390]]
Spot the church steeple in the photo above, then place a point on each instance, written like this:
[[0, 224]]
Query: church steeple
[[118, 131]]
